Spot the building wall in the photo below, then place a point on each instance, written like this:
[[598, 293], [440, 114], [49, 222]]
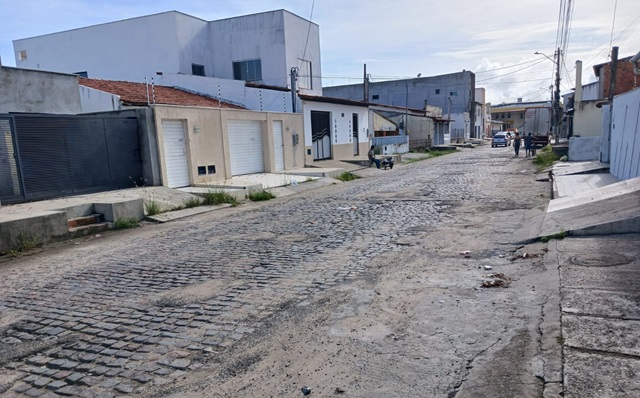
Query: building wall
[[626, 80], [584, 148], [587, 119], [625, 136], [38, 92], [296, 31], [124, 50], [341, 129], [416, 93], [93, 100], [208, 144]]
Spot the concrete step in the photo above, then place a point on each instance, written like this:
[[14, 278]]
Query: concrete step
[[85, 220], [88, 229]]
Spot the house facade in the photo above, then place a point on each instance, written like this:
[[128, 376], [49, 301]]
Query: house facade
[[334, 128], [454, 93], [201, 146], [260, 48]]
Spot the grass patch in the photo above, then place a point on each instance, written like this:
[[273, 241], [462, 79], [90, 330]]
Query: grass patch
[[124, 223], [435, 153], [24, 243], [559, 235], [262, 195], [192, 202], [545, 158], [218, 197], [153, 208], [346, 176]]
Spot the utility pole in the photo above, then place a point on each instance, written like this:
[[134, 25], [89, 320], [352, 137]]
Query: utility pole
[[294, 78], [557, 97], [366, 85], [612, 89]]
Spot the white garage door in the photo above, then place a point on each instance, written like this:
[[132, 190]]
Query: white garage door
[[175, 153], [245, 145], [278, 145]]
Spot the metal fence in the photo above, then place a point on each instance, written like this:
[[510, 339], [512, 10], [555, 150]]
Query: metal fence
[[46, 156]]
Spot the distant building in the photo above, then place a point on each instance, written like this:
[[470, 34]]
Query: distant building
[[454, 93], [260, 48], [513, 115]]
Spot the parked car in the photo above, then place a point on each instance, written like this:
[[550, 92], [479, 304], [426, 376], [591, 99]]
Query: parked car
[[499, 139]]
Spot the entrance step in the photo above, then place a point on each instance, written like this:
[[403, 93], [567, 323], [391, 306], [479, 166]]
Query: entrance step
[[88, 229], [86, 220]]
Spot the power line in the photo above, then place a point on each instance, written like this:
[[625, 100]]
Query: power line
[[615, 8], [505, 67], [510, 73]]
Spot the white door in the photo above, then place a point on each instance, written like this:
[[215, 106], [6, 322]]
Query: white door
[[245, 147], [278, 145], [175, 153]]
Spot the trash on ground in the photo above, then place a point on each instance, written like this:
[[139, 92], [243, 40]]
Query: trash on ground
[[305, 390], [488, 267], [498, 280], [339, 390], [465, 253]]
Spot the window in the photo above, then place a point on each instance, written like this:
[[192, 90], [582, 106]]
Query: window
[[202, 170], [82, 74], [375, 96], [197, 70], [305, 75], [453, 93], [437, 91], [22, 55], [509, 115], [249, 71]]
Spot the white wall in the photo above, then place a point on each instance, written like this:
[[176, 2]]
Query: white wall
[[123, 50], [459, 126], [251, 37], [93, 100], [340, 125], [257, 99], [625, 136], [296, 30]]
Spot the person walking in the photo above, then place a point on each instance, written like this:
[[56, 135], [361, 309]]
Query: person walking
[[372, 157], [516, 144], [528, 143]]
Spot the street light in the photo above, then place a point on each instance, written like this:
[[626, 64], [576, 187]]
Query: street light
[[556, 102]]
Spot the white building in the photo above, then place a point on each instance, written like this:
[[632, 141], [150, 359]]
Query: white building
[[260, 48]]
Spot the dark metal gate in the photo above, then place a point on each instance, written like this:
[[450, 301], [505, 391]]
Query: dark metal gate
[[64, 155]]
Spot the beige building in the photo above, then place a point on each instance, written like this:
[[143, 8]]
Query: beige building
[[199, 146]]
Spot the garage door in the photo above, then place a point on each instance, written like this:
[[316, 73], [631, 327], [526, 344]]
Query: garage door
[[278, 145], [175, 153], [245, 147]]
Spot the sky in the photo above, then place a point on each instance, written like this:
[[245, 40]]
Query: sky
[[496, 39]]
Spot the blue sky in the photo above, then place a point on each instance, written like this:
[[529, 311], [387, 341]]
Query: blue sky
[[401, 38]]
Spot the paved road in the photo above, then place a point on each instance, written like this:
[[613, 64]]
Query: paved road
[[141, 311]]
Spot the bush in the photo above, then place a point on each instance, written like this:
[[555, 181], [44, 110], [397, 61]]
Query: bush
[[262, 195], [218, 197], [346, 176], [545, 157]]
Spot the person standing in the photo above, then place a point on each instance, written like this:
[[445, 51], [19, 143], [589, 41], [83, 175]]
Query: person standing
[[528, 143], [516, 144], [372, 157]]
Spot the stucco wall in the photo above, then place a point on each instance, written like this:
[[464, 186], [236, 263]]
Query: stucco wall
[[208, 144], [584, 148], [296, 31], [34, 91], [587, 119]]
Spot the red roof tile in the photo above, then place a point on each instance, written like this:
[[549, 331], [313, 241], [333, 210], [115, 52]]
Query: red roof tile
[[135, 94]]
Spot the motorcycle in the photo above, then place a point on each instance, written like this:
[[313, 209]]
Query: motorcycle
[[387, 162]]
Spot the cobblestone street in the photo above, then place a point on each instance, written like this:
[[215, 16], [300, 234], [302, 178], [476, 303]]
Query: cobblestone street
[[177, 308]]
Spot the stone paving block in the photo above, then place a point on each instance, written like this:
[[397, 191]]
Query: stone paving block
[[602, 334], [42, 381], [54, 385], [34, 392], [20, 388], [109, 383], [115, 363], [63, 374], [74, 377], [125, 388], [39, 360], [69, 391]]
